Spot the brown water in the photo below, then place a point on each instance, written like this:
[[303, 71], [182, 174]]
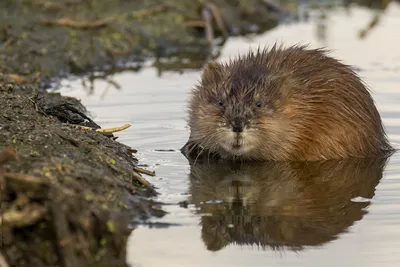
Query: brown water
[[263, 215]]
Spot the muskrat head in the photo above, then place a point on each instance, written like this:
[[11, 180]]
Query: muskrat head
[[233, 111]]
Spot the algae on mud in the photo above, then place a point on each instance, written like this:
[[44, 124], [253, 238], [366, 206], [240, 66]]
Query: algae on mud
[[69, 194]]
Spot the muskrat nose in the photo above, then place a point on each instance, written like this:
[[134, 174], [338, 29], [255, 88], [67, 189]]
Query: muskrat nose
[[237, 125]]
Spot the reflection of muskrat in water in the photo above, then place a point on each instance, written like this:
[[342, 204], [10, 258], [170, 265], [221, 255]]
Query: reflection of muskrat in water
[[281, 205], [284, 104]]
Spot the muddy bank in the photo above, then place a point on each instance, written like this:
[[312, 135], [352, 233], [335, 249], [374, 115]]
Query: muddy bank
[[68, 193], [70, 36]]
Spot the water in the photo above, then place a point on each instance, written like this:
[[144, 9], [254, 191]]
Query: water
[[348, 223]]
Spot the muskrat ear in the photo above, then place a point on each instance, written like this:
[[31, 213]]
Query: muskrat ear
[[212, 72]]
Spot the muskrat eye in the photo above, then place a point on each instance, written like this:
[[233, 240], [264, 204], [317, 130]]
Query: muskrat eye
[[221, 103], [259, 104]]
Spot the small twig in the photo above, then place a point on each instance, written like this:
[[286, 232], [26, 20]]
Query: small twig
[[80, 24], [114, 129], [37, 108], [107, 130], [144, 171], [141, 180], [209, 31], [19, 79], [34, 102], [132, 150], [24, 178], [69, 22], [25, 217], [216, 13], [372, 24], [30, 185], [149, 11]]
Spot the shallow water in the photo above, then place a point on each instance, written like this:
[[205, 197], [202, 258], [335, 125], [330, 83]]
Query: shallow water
[[238, 218]]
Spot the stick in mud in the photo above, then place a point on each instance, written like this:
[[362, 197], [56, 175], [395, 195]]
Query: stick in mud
[[80, 24], [144, 171], [107, 130], [141, 180]]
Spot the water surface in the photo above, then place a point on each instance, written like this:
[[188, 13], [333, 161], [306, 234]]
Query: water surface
[[234, 216]]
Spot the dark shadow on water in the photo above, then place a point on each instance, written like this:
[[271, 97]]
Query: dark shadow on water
[[281, 205]]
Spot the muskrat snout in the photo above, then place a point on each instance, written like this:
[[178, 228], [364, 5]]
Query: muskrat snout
[[238, 125]]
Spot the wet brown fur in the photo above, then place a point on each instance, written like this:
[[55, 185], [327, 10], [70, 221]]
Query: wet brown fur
[[313, 107]]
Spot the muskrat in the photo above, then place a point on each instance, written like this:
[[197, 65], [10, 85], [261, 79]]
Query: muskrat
[[293, 103]]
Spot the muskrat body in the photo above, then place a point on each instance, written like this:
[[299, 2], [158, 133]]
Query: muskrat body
[[284, 104]]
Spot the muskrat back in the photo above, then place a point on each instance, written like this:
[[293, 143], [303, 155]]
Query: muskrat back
[[288, 103]]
